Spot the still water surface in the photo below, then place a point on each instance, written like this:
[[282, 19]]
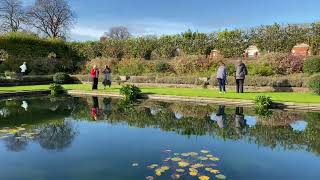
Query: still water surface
[[93, 139]]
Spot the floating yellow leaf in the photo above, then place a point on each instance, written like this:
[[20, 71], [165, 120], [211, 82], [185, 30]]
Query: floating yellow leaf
[[215, 171], [214, 159], [180, 170], [197, 166], [209, 156], [183, 164], [21, 129], [203, 158], [158, 173], [204, 151], [204, 178], [166, 159], [221, 176], [193, 173], [176, 159]]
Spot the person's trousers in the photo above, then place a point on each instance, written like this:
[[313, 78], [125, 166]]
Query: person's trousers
[[95, 83], [240, 84], [222, 85]]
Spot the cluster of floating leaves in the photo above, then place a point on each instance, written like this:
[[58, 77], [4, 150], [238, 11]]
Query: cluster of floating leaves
[[19, 133], [202, 165]]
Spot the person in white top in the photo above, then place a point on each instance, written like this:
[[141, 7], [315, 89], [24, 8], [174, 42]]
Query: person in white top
[[23, 68]]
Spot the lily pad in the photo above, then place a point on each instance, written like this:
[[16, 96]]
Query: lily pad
[[221, 176], [203, 158], [209, 156], [175, 176], [208, 169], [204, 151], [176, 159], [193, 173], [198, 165], [183, 164], [214, 159], [180, 170], [215, 171], [193, 170]]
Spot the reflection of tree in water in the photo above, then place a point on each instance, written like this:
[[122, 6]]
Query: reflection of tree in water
[[57, 136], [16, 145]]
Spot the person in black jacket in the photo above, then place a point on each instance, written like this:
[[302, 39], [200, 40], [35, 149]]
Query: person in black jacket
[[241, 72]]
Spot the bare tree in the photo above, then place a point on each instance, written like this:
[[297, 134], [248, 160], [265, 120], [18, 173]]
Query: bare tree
[[119, 32], [12, 15], [51, 17]]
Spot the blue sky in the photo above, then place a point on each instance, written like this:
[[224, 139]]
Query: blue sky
[[157, 17]]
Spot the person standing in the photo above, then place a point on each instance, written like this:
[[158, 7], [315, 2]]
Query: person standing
[[241, 72], [95, 77], [222, 74], [107, 77], [23, 68]]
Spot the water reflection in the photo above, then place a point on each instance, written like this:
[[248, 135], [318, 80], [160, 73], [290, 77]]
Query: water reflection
[[288, 130]]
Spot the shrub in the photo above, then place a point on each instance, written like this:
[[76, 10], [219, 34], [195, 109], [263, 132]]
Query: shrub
[[314, 84], [260, 69], [131, 67], [312, 65], [263, 104], [285, 64], [162, 67], [10, 74], [185, 65], [56, 89], [130, 92], [231, 69], [61, 78]]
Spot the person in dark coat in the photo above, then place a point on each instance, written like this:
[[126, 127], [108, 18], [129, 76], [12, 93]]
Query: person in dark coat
[[241, 72], [107, 77]]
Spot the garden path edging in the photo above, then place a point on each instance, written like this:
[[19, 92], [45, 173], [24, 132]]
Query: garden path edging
[[205, 100]]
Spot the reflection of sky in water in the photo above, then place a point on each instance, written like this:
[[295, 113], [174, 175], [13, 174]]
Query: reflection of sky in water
[[154, 111], [213, 116], [251, 121], [299, 125], [178, 115]]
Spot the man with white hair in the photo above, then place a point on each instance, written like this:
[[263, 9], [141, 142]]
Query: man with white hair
[[23, 68]]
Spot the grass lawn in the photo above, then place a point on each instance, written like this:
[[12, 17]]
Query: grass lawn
[[192, 92]]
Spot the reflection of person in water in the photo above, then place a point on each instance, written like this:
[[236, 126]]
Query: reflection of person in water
[[95, 108], [240, 122], [221, 116], [24, 105], [107, 106]]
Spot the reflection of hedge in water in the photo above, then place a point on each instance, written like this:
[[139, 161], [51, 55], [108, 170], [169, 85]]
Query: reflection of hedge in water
[[39, 111], [267, 132]]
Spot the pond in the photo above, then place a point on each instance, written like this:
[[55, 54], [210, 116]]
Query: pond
[[80, 138]]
